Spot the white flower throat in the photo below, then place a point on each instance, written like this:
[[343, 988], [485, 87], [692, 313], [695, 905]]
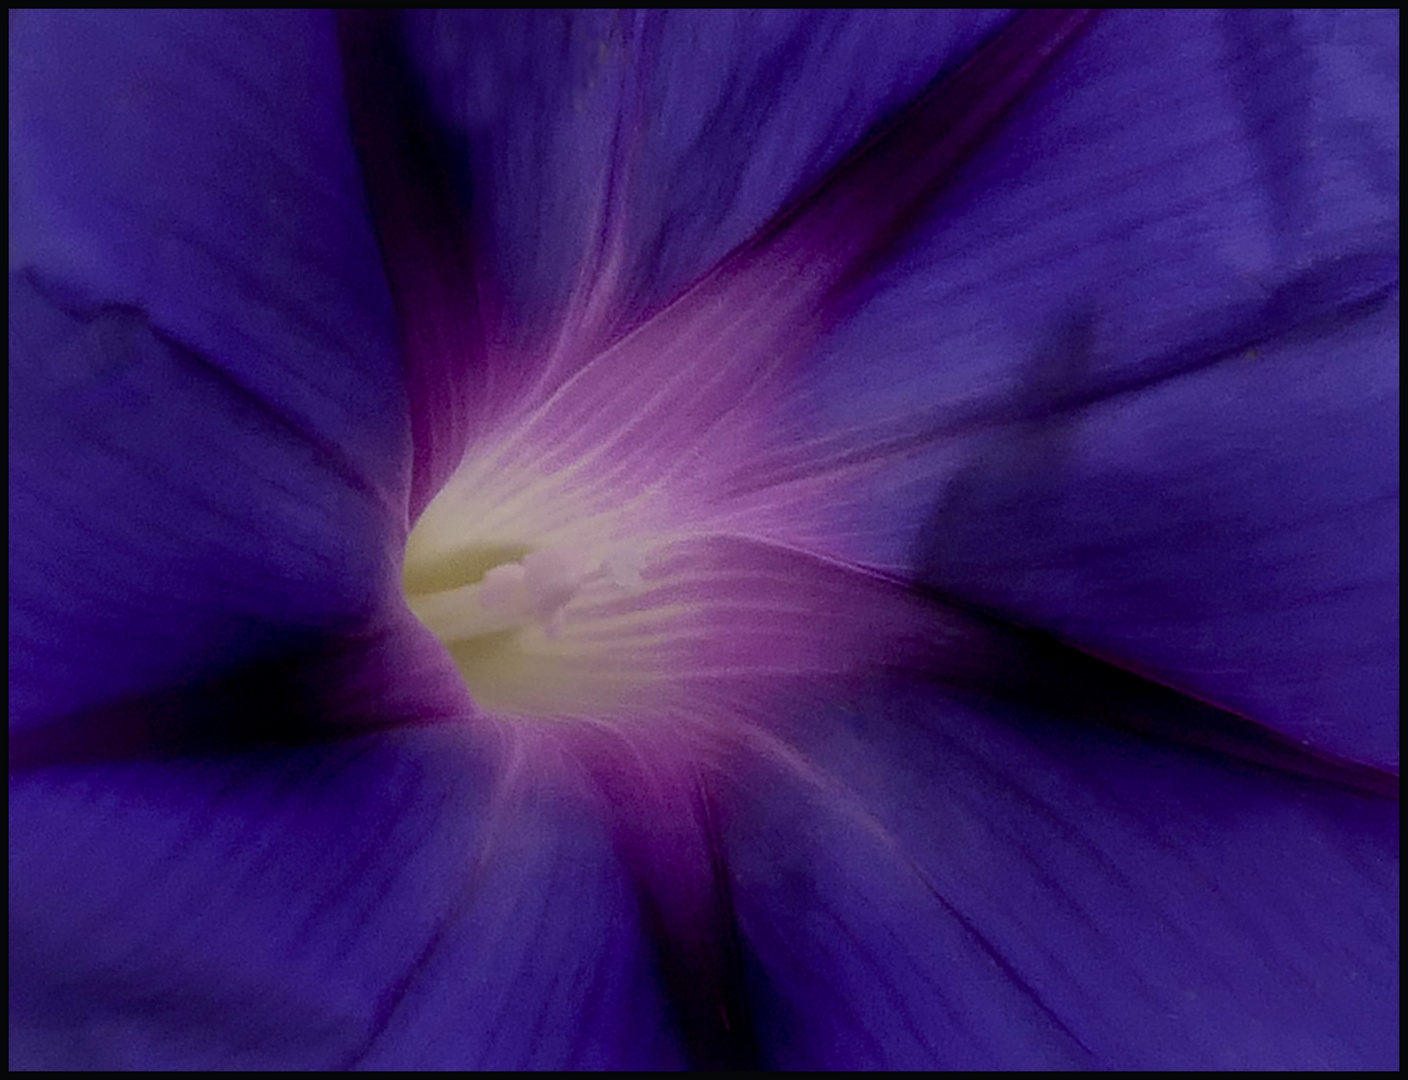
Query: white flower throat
[[531, 592], [548, 604]]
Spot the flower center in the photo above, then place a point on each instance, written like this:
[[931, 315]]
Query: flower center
[[539, 629], [533, 591]]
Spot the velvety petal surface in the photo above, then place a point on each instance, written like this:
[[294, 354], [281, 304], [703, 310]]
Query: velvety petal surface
[[1152, 333], [650, 144], [208, 436], [925, 881], [1178, 239], [1134, 383], [652, 448], [401, 900], [919, 879]]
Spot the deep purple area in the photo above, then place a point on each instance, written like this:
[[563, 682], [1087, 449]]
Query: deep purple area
[[1144, 352]]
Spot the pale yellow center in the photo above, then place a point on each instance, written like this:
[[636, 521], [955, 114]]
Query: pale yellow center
[[537, 608]]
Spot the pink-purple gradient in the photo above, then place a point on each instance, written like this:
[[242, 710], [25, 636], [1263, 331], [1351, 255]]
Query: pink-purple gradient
[[1089, 368]]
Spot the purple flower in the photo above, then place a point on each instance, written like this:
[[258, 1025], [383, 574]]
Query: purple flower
[[982, 576]]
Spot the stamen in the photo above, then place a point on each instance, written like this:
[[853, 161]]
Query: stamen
[[533, 591]]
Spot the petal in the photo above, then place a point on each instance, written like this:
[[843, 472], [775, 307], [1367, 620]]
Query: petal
[[584, 177], [197, 166], [654, 143], [402, 900], [1136, 382], [208, 439], [428, 257], [928, 882], [1244, 550]]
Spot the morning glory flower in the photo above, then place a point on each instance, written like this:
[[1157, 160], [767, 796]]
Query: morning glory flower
[[414, 664]]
